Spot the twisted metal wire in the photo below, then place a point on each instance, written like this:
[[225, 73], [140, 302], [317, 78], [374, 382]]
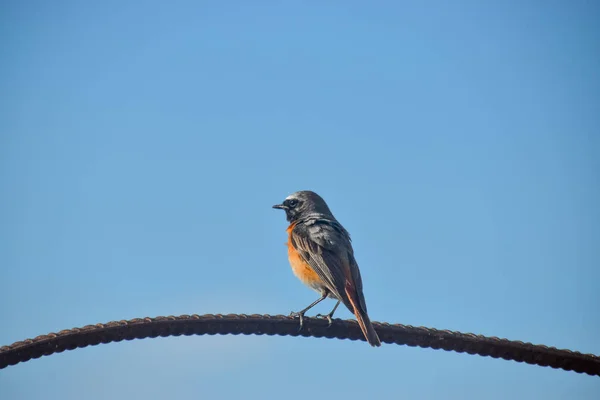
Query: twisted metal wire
[[141, 328]]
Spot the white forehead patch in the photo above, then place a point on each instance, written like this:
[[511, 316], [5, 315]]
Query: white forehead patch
[[291, 196]]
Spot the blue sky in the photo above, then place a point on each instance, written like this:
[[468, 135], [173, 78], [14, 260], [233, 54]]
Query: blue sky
[[142, 145]]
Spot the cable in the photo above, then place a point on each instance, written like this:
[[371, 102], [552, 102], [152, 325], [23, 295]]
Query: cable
[[141, 328]]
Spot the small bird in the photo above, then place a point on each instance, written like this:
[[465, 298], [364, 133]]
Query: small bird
[[321, 255]]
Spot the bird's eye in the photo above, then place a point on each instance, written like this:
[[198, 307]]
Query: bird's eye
[[293, 203]]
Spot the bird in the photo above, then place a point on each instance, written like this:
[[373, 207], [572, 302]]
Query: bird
[[321, 256]]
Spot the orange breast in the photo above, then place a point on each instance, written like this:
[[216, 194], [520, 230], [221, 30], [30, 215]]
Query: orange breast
[[301, 268]]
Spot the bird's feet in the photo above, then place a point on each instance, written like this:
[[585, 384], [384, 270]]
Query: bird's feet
[[299, 314], [327, 317]]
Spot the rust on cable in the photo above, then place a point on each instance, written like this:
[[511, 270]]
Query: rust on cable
[[141, 328]]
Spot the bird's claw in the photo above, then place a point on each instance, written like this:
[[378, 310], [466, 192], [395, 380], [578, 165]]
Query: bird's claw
[[299, 315], [327, 317]]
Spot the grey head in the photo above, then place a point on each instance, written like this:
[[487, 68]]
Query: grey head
[[303, 204]]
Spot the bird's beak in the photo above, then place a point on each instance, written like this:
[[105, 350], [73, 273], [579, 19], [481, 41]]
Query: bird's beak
[[280, 206]]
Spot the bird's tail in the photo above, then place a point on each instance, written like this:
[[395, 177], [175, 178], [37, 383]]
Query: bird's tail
[[363, 318]]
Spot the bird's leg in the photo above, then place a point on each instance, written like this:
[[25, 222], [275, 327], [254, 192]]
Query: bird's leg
[[301, 312], [330, 315]]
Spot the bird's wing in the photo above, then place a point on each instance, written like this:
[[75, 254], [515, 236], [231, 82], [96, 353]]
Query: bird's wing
[[325, 246]]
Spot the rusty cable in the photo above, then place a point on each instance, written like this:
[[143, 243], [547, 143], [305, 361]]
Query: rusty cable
[[141, 328]]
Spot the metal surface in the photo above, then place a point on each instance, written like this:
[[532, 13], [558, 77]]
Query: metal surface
[[141, 328]]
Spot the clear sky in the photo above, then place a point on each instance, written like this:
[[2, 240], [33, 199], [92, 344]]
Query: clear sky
[[143, 144]]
